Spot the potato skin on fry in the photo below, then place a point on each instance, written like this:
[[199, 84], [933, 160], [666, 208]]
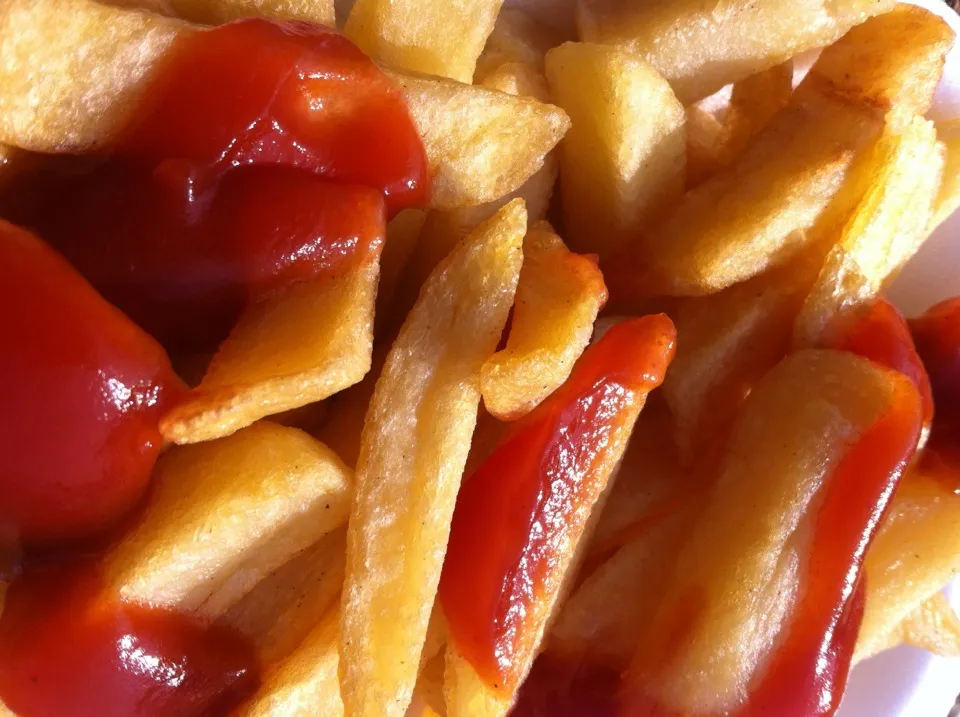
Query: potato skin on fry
[[413, 450]]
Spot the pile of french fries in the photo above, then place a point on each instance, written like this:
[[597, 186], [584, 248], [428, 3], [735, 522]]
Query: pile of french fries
[[757, 170]]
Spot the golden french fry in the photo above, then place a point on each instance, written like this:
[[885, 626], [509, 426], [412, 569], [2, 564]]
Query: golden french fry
[[700, 47], [915, 554], [742, 591], [517, 39], [295, 347], [481, 144], [891, 62], [74, 71], [289, 603], [428, 694], [412, 454], [224, 515], [305, 683], [726, 343], [433, 38], [403, 231], [949, 198], [886, 229], [934, 627], [713, 143], [214, 12], [623, 161], [558, 298]]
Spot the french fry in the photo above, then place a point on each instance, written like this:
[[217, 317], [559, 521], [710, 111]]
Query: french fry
[[74, 71], [412, 454], [305, 683], [428, 694], [886, 230], [949, 198], [558, 298], [701, 47], [623, 161], [215, 12], [295, 347], [763, 588], [433, 38], [224, 515], [713, 143], [727, 342], [933, 626], [558, 15], [284, 607], [536, 493], [403, 232], [915, 554], [517, 38]]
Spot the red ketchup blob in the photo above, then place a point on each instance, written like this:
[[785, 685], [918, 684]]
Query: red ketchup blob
[[534, 493], [81, 393], [68, 647], [937, 335], [259, 147]]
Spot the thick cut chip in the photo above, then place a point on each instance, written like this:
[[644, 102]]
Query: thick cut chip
[[403, 231], [284, 607], [886, 229], [73, 71], [214, 12], [949, 198], [933, 626], [558, 298], [517, 38], [436, 37], [224, 515], [915, 554], [482, 144], [714, 142], [623, 161], [305, 683], [293, 348], [412, 454], [726, 343], [759, 590], [702, 46]]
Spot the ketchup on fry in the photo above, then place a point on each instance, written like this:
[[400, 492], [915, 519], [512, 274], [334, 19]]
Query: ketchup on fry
[[532, 496], [81, 393], [261, 153]]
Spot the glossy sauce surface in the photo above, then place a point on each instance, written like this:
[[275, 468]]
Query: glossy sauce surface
[[262, 152], [519, 510], [69, 648], [81, 393]]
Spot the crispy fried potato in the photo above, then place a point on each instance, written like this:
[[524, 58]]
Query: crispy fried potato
[[754, 546], [886, 230], [305, 683], [558, 298], [558, 15], [434, 38], [481, 144], [73, 71], [623, 161], [295, 347], [700, 47], [713, 143], [933, 626], [403, 231], [891, 62], [516, 39], [214, 12], [949, 198], [726, 342], [289, 603], [412, 455], [428, 694], [224, 515], [915, 554]]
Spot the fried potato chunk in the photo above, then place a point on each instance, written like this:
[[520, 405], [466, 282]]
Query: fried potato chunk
[[223, 515], [558, 298], [624, 159], [433, 37], [700, 47], [915, 554], [214, 12], [73, 71], [295, 347], [413, 450], [949, 198], [887, 228]]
